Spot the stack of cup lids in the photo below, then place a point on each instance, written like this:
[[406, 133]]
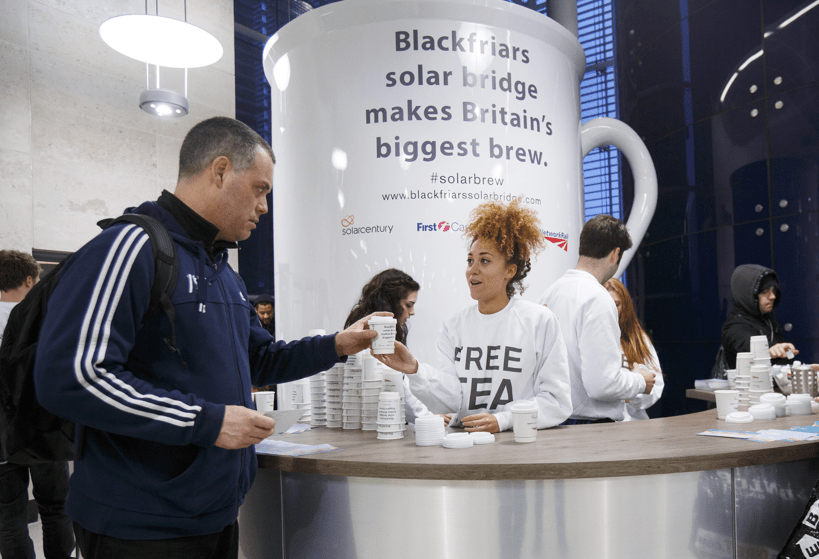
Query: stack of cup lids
[[739, 417], [389, 416], [318, 401], [458, 440], [799, 404], [482, 437], [351, 392], [394, 382], [332, 394], [429, 430], [777, 401], [370, 389], [762, 412]]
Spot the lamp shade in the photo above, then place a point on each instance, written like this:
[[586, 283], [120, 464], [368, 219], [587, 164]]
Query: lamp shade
[[161, 41]]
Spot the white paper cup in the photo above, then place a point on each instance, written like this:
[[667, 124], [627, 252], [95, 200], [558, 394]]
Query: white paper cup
[[265, 401], [393, 382], [524, 421], [759, 347], [389, 408], [727, 402], [744, 360], [385, 327]]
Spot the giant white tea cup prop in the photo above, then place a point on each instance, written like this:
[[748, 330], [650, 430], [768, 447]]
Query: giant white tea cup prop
[[393, 119]]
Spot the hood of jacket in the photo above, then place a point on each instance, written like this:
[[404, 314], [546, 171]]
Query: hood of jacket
[[745, 282]]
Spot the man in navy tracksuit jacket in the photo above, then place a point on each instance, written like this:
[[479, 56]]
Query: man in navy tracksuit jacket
[[169, 435]]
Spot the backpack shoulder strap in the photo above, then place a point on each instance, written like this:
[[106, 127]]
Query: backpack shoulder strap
[[166, 267]]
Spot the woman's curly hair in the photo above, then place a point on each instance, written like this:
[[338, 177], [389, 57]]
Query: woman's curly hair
[[516, 232]]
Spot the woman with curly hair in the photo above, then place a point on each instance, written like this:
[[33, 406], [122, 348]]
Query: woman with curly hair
[[637, 350], [503, 349]]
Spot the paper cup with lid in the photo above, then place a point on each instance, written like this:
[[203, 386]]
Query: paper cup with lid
[[524, 421], [384, 326]]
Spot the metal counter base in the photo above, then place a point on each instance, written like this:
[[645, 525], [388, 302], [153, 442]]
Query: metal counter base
[[738, 512]]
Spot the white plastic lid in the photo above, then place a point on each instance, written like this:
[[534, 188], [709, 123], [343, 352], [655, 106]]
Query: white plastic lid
[[773, 398], [762, 408], [807, 397], [524, 406], [382, 320], [739, 417], [482, 437]]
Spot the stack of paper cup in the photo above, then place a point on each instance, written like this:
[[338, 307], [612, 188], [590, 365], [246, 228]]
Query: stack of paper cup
[[389, 416], [731, 377], [777, 401], [370, 390], [318, 402], [799, 404], [761, 376], [300, 398], [429, 430], [727, 402], [524, 421], [743, 387], [744, 361], [394, 382], [759, 347], [333, 395], [351, 392]]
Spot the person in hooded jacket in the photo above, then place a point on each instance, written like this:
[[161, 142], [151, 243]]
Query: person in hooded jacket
[[756, 294]]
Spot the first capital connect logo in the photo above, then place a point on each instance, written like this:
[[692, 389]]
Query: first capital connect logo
[[439, 226]]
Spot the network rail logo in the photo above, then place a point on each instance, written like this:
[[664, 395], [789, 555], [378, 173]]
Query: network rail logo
[[348, 227], [440, 226], [557, 238]]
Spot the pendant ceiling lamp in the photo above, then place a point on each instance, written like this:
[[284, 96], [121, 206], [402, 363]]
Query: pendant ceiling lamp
[[162, 41]]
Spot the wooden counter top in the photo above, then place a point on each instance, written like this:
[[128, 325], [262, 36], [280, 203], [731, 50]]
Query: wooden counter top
[[656, 446]]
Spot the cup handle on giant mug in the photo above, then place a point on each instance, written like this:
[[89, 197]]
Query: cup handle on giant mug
[[608, 131]]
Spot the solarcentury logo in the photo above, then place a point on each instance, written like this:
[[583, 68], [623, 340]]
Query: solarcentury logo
[[558, 238], [348, 228], [442, 226]]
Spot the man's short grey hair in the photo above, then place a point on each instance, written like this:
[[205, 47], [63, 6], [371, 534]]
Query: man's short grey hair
[[216, 137]]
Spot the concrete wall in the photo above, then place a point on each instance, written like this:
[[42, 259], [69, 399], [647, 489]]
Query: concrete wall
[[74, 145]]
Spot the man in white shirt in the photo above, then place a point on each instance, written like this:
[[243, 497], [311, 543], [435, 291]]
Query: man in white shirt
[[588, 321]]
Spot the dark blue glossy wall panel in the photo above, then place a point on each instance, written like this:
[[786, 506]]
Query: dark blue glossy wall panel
[[725, 93]]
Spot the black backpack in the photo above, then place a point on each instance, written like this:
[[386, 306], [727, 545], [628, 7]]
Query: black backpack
[[28, 432]]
